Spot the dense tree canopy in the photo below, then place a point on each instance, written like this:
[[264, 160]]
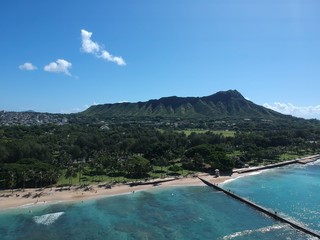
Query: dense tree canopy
[[35, 156]]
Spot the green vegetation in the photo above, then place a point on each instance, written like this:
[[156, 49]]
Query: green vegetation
[[87, 178], [125, 150], [166, 137], [221, 105], [288, 156], [225, 133]]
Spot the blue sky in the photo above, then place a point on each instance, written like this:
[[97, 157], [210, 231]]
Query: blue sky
[[62, 56]]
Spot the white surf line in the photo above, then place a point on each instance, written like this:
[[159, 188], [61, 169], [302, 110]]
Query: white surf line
[[47, 219]]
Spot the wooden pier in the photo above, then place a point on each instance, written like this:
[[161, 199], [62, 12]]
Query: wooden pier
[[263, 210]]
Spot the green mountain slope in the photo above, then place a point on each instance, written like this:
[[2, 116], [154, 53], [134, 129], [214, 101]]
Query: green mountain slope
[[224, 104]]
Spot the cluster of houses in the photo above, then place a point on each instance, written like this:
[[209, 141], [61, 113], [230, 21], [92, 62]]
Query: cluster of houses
[[30, 118]]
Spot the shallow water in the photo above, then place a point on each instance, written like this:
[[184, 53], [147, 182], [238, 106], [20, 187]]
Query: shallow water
[[293, 191], [179, 213]]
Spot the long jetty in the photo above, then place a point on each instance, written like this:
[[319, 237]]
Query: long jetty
[[262, 209], [304, 160]]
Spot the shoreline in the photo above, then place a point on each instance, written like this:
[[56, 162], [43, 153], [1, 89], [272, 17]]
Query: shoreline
[[38, 197], [304, 160]]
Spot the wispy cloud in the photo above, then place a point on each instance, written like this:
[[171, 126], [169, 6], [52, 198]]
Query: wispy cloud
[[298, 111], [78, 109], [89, 46], [59, 66], [107, 56], [27, 67]]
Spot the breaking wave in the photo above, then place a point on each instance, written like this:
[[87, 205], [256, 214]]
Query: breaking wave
[[249, 232], [47, 219], [238, 177]]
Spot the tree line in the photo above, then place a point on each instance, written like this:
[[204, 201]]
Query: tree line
[[36, 156]]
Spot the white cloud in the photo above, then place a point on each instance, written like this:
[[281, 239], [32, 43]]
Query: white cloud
[[298, 111], [59, 66], [78, 109], [86, 106], [89, 46], [27, 67], [107, 56]]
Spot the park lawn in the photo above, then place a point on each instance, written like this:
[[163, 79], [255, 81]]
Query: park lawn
[[165, 172], [225, 133], [288, 156], [86, 179]]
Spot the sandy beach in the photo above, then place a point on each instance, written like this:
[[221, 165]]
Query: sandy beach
[[33, 197]]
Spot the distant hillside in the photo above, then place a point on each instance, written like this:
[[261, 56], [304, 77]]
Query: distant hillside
[[224, 104]]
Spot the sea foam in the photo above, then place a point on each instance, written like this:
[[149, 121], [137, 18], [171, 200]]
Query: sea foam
[[246, 175], [47, 219], [249, 232]]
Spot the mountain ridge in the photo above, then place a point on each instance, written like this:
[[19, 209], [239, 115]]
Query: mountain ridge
[[223, 104]]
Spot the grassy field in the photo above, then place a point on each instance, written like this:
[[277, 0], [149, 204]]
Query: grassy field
[[225, 133], [288, 156], [157, 172]]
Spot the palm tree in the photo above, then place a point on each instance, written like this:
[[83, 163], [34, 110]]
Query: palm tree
[[70, 173], [24, 179], [162, 161], [12, 178], [80, 170], [99, 170], [41, 178], [32, 174], [52, 175]]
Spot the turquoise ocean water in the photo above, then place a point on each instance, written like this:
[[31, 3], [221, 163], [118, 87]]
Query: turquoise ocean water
[[293, 191], [180, 212]]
